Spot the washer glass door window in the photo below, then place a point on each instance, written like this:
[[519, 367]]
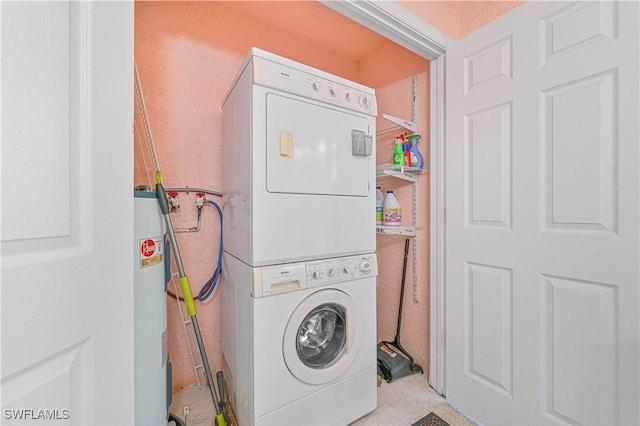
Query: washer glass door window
[[322, 337]]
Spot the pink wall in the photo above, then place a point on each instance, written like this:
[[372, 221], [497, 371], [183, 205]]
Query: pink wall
[[395, 99], [475, 14], [188, 54], [459, 18], [444, 15], [390, 71]]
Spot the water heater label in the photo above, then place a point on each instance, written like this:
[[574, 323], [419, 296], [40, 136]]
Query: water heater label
[[151, 251]]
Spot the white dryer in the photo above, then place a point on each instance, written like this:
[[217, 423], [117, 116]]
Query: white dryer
[[299, 163], [299, 340], [299, 295]]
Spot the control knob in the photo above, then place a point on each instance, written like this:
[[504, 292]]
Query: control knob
[[365, 266], [364, 102]]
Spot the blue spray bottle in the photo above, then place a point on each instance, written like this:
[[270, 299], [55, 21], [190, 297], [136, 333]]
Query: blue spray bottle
[[415, 153]]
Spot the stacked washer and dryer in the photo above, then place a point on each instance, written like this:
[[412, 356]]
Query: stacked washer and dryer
[[299, 295]]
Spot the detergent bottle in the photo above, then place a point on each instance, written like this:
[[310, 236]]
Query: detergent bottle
[[379, 206], [416, 157], [392, 210], [398, 153]]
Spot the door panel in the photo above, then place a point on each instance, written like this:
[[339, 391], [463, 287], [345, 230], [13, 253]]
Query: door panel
[[579, 348], [488, 167], [60, 381], [488, 331], [542, 216], [67, 313], [579, 117], [577, 27], [49, 36]]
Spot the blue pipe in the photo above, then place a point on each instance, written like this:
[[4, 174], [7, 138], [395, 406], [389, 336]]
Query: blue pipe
[[210, 285]]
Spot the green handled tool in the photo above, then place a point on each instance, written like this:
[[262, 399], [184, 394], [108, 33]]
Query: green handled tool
[[188, 296]]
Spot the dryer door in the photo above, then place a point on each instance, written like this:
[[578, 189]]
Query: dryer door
[[309, 149], [322, 337]]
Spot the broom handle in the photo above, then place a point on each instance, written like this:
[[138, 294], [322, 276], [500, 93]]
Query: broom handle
[[404, 276]]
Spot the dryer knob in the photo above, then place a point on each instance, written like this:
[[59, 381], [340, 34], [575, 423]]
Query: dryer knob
[[331, 272], [364, 102], [314, 275]]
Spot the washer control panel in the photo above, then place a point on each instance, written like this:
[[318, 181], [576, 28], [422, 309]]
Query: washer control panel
[[273, 280], [329, 271]]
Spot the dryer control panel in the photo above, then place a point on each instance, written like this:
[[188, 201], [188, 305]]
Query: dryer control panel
[[314, 85]]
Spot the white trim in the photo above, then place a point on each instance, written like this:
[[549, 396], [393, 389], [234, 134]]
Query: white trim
[[437, 227], [396, 23]]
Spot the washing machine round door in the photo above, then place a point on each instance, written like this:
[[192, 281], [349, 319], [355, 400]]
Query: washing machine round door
[[322, 337]]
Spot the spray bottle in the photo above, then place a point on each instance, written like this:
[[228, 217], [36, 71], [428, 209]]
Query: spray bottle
[[407, 154], [398, 153], [416, 157]]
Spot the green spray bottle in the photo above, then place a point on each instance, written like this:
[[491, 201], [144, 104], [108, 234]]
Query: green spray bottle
[[398, 153]]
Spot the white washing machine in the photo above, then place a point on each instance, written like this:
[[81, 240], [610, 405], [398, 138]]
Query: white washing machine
[[299, 163], [299, 340], [299, 295]]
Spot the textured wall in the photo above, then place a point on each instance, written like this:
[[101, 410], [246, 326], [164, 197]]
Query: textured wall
[[390, 70], [458, 18], [444, 15], [395, 99], [188, 54], [475, 14]]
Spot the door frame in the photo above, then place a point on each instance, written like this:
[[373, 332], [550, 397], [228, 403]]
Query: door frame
[[399, 25]]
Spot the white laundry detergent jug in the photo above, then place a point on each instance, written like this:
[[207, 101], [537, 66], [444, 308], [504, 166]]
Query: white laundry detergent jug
[[379, 206], [392, 210]]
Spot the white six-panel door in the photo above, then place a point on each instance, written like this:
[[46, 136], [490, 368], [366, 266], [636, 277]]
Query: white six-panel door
[[542, 221], [67, 213]]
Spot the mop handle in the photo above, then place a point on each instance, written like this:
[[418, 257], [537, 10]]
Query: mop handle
[[184, 280], [404, 276], [187, 295]]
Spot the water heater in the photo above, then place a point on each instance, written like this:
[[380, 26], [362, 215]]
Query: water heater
[[150, 304]]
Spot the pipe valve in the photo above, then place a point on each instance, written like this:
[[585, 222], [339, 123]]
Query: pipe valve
[[173, 200], [199, 199]]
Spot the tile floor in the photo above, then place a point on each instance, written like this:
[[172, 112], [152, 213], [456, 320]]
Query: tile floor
[[402, 402], [407, 400]]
